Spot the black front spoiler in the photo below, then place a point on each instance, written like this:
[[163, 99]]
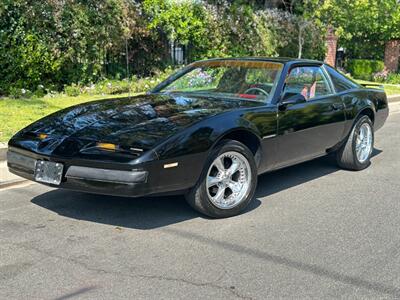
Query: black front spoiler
[[87, 179], [110, 178]]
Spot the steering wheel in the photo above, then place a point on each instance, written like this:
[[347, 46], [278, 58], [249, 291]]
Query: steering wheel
[[256, 89]]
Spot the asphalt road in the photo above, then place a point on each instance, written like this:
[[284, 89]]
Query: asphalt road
[[314, 231]]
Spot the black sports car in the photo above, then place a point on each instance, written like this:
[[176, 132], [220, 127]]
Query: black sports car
[[206, 132]]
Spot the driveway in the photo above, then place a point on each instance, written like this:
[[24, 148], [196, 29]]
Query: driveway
[[314, 231]]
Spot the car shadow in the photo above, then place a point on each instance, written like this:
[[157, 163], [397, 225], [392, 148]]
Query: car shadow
[[154, 212]]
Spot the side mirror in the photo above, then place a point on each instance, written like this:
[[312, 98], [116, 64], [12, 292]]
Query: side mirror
[[291, 100]]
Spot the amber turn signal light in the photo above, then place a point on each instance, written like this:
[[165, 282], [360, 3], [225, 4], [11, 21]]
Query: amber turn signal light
[[42, 136], [107, 146]]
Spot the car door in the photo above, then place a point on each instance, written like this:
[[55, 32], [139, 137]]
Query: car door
[[308, 128]]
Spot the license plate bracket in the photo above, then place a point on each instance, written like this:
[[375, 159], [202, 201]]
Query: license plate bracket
[[48, 172]]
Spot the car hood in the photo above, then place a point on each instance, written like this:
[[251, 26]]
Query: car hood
[[137, 122]]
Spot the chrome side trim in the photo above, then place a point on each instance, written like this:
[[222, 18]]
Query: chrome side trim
[[269, 136], [171, 165]]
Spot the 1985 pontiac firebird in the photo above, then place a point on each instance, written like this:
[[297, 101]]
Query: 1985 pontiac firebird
[[207, 132]]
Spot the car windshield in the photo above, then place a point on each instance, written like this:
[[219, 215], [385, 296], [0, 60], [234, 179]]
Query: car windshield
[[249, 80]]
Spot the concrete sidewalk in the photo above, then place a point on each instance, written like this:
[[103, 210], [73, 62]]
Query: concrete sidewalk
[[394, 106], [393, 98], [6, 178], [3, 151]]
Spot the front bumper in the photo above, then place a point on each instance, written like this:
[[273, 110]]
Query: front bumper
[[110, 177], [131, 183]]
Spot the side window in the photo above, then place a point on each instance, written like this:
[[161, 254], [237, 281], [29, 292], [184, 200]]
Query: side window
[[308, 81], [340, 82]]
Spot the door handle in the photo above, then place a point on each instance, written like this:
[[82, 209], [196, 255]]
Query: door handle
[[336, 106]]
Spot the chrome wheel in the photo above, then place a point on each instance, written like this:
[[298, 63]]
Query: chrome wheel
[[364, 142], [228, 180]]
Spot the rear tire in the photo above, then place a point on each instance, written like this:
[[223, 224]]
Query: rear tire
[[356, 152], [228, 181]]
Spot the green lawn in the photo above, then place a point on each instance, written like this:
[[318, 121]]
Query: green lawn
[[390, 89], [18, 113], [15, 114]]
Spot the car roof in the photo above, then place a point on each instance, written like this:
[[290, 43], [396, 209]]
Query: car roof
[[283, 60]]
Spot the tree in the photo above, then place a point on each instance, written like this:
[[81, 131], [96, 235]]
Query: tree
[[57, 42], [181, 21], [362, 25]]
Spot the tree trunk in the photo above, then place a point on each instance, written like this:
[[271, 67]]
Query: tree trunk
[[301, 41], [127, 59]]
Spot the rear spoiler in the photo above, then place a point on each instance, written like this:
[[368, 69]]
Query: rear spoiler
[[374, 85]]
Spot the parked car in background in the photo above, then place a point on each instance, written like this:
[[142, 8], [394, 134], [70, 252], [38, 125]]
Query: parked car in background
[[207, 132]]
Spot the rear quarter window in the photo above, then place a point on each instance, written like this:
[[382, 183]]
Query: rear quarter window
[[340, 82]]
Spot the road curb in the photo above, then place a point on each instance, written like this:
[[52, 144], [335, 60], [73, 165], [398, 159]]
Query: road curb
[[394, 107], [3, 151], [393, 98], [10, 183]]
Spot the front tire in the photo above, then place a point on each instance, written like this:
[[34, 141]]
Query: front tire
[[356, 152], [228, 181]]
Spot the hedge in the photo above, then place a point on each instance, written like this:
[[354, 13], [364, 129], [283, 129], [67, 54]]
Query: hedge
[[46, 46], [364, 68]]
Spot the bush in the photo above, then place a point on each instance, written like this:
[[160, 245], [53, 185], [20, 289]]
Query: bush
[[364, 68], [380, 76], [17, 93], [72, 90], [393, 78], [113, 86], [55, 45], [109, 87], [386, 77]]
